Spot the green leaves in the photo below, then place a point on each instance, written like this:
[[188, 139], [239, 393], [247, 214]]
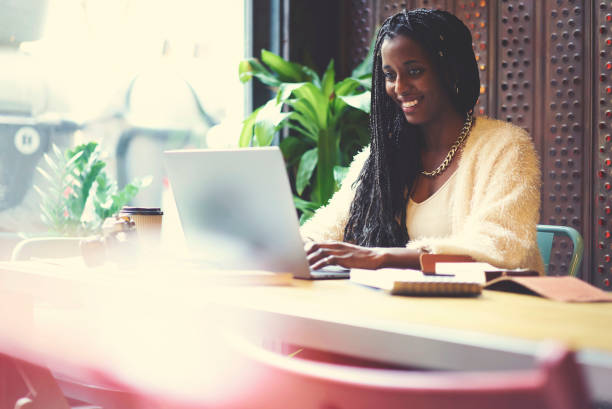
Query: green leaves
[[327, 83], [286, 70], [78, 182], [252, 68], [308, 162], [246, 135], [306, 207], [327, 159], [263, 124], [359, 101], [339, 174], [326, 120], [316, 101], [109, 201]]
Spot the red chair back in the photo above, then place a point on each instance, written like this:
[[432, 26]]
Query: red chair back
[[274, 381]]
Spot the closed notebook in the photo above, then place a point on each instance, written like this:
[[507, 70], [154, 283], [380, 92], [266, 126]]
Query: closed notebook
[[566, 289], [479, 272], [414, 282]]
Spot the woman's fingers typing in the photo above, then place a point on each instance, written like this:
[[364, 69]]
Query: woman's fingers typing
[[321, 254]]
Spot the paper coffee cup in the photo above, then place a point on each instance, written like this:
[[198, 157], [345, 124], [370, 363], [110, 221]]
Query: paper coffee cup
[[147, 221]]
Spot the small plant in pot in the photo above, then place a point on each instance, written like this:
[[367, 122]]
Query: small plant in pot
[[80, 194]]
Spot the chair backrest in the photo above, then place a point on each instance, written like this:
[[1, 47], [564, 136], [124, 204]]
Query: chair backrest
[[46, 247], [546, 234], [276, 381], [98, 394]]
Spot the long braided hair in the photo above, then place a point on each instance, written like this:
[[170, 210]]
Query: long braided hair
[[378, 211]]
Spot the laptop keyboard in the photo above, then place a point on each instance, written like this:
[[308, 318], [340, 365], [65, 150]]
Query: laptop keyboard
[[334, 271]]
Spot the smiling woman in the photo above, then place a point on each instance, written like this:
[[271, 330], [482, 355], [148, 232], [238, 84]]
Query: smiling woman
[[411, 80], [434, 178]]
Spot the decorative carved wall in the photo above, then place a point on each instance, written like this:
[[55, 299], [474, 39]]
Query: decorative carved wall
[[363, 25], [562, 134], [601, 169], [544, 66], [475, 15]]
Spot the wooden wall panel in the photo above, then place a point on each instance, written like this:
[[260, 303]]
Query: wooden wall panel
[[475, 14], [386, 8], [547, 66], [362, 25], [562, 133], [515, 63], [602, 149], [434, 4]]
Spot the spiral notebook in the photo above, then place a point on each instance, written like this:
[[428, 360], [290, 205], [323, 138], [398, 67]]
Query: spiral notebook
[[414, 282]]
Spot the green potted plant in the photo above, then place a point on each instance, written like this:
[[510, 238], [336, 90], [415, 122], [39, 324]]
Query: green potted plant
[[80, 195], [327, 122]]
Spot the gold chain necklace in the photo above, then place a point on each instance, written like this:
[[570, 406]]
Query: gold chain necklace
[[465, 131]]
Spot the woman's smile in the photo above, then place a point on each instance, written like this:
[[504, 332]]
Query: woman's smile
[[412, 81], [410, 105]]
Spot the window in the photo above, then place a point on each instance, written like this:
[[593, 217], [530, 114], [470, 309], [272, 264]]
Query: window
[[138, 76]]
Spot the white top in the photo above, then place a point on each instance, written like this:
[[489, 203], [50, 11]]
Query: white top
[[432, 217]]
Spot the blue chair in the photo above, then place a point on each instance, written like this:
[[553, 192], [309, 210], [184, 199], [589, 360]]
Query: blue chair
[[546, 234]]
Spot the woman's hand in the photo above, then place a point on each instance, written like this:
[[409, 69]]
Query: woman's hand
[[321, 254]]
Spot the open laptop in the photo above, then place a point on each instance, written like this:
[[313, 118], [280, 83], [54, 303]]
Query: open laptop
[[236, 210]]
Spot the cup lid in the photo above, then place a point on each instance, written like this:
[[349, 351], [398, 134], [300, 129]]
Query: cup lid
[[154, 211]]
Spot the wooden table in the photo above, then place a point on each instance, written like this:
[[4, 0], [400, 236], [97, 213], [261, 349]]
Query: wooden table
[[494, 331]]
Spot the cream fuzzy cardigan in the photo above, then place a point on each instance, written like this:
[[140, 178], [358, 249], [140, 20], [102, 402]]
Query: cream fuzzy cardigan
[[495, 207]]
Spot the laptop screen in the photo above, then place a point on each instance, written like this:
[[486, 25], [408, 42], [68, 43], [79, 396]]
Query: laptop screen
[[236, 207]]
